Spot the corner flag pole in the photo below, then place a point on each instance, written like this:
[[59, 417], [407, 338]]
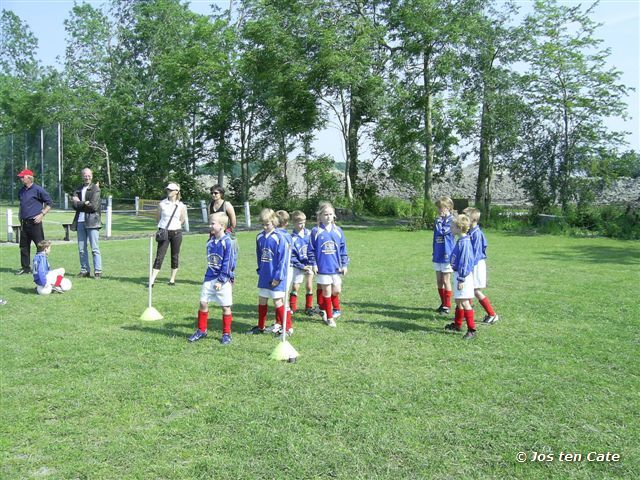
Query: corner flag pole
[[284, 350], [150, 314]]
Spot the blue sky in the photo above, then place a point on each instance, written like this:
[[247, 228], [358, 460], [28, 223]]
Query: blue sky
[[620, 32]]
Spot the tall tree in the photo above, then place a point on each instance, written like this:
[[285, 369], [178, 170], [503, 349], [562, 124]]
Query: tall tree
[[571, 91]]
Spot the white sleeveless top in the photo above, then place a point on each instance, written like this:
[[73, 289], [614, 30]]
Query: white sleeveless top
[[166, 209]]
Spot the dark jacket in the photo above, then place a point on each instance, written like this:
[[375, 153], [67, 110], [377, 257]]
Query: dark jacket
[[91, 207]]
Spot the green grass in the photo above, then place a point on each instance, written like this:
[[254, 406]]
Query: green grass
[[90, 391]]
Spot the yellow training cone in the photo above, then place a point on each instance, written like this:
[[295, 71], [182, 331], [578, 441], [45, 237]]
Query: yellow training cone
[[284, 352], [150, 314]]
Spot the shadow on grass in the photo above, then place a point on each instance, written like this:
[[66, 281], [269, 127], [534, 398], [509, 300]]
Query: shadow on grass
[[419, 319], [596, 254], [25, 290], [143, 281]]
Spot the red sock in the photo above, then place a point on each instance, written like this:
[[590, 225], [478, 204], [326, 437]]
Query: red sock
[[447, 298], [293, 302], [308, 301], [58, 281], [288, 319], [335, 301], [328, 306], [320, 297], [486, 304], [468, 316], [441, 293], [203, 318], [226, 323], [262, 315], [459, 317], [279, 314]]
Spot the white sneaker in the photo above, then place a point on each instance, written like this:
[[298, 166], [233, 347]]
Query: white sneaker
[[275, 328], [331, 323], [289, 332], [336, 313]]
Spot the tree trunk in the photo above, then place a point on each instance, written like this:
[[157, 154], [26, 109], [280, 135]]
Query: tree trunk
[[428, 131], [484, 165]]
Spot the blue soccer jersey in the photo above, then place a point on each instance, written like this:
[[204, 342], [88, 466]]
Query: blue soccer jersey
[[271, 254], [327, 249], [221, 259], [462, 259], [40, 268], [478, 243], [443, 240], [299, 252]]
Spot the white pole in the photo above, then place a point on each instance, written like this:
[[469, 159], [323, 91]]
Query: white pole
[[247, 214], [150, 267], [203, 209], [9, 225], [66, 201], [136, 200], [186, 219], [109, 215], [286, 292], [60, 194]]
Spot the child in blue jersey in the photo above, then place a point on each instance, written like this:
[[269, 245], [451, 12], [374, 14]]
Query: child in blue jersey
[[328, 257], [462, 262], [443, 243], [271, 254], [302, 271], [48, 280], [479, 243], [218, 278], [283, 223]]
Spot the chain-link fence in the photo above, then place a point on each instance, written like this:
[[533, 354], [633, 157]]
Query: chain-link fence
[[38, 150]]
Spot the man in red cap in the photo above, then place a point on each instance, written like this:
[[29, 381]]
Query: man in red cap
[[35, 203]]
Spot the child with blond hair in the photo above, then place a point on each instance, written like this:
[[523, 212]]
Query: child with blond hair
[[328, 257], [218, 279], [462, 261], [271, 255], [479, 244], [302, 271], [443, 243]]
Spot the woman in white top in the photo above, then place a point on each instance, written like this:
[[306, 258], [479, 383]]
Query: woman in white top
[[171, 216]]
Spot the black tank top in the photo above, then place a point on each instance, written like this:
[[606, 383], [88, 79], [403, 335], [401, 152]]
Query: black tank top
[[212, 209]]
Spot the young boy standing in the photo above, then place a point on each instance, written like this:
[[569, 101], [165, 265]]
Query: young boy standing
[[218, 279], [462, 261], [302, 271], [271, 254], [443, 243], [329, 259], [48, 280], [479, 244], [283, 223]]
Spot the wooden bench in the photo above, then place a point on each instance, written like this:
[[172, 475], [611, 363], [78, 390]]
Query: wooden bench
[[66, 227]]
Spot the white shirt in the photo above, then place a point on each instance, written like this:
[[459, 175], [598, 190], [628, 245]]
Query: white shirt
[[166, 209], [83, 195]]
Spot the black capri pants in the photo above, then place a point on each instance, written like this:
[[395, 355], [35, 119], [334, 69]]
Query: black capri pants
[[175, 240]]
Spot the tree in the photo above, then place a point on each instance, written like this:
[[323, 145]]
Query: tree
[[570, 91]]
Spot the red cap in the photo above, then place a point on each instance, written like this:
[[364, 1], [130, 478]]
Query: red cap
[[24, 173]]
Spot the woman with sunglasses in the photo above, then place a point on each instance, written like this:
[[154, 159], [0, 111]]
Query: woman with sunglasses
[[219, 204]]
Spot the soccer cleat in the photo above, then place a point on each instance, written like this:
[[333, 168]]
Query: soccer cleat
[[331, 323], [22, 271], [452, 327], [256, 331], [439, 309], [490, 319], [226, 339], [57, 289], [197, 335], [336, 313], [83, 275], [444, 311], [470, 335], [275, 328], [97, 275]]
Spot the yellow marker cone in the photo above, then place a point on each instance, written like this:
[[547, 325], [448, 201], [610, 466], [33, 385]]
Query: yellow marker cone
[[150, 314], [284, 351]]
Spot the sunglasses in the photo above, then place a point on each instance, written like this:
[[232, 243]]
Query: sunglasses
[[215, 193]]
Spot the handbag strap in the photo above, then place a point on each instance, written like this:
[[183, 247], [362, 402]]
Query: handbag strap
[[171, 217]]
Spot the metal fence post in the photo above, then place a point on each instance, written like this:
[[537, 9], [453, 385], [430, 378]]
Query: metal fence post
[[136, 200], [109, 215], [9, 225], [247, 214], [203, 209], [186, 219]]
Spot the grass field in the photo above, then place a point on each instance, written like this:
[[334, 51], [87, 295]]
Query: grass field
[[90, 391]]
